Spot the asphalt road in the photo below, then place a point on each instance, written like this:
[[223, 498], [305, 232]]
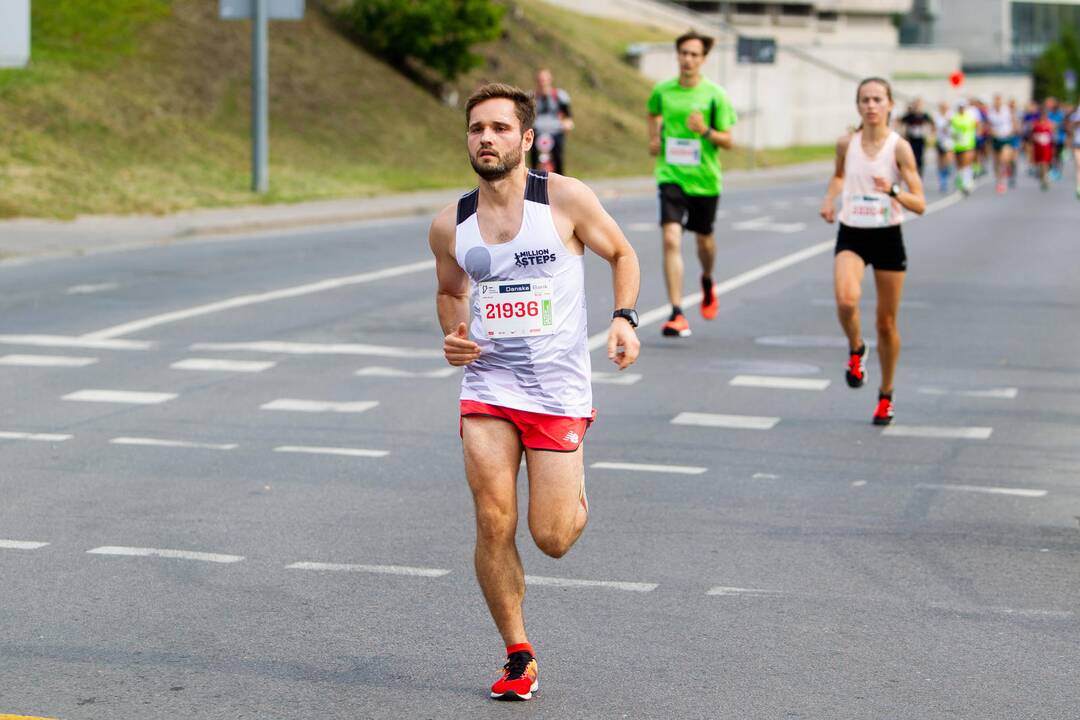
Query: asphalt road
[[791, 561]]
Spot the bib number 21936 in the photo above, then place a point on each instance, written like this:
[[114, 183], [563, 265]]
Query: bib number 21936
[[516, 309]]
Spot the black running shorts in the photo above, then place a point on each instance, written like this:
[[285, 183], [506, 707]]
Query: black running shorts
[[883, 248], [696, 213]]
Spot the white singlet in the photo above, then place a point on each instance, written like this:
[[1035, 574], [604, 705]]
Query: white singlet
[[943, 131], [528, 312], [1002, 124], [864, 206]]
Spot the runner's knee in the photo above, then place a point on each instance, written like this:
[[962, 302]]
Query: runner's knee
[[495, 523], [553, 542]]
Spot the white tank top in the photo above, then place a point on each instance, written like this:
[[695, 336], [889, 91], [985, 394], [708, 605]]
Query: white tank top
[[1001, 122], [863, 205], [546, 372]]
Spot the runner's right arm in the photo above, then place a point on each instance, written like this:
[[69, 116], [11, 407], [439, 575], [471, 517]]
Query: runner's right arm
[[655, 122], [836, 184], [452, 296]]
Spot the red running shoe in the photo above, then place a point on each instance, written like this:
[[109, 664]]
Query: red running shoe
[[884, 413], [709, 304], [520, 675], [676, 327], [856, 368]]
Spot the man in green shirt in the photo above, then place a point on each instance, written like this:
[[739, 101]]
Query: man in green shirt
[[965, 131], [689, 118]]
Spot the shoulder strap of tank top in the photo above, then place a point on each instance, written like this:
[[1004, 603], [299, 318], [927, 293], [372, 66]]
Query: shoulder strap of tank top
[[466, 206], [536, 187]]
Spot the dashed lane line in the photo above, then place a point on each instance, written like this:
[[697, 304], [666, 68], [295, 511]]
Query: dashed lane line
[[378, 569], [120, 396], [46, 361], [1016, 492], [389, 372], [319, 406], [91, 289], [298, 348], [942, 433], [216, 365], [779, 383], [615, 378], [157, 442], [345, 452], [733, 422], [34, 437], [723, 591], [573, 582], [1001, 393], [21, 545], [171, 554], [66, 341], [641, 467]]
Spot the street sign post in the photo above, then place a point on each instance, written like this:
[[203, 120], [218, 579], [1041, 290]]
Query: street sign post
[[14, 33], [260, 12], [754, 51]]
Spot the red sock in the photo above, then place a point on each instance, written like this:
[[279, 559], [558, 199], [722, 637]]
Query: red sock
[[511, 649]]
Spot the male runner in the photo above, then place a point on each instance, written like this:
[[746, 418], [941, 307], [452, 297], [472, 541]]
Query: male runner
[[1042, 146], [553, 121], [519, 241], [1074, 132], [944, 142], [916, 124], [689, 118], [1001, 120], [965, 129], [1056, 115]]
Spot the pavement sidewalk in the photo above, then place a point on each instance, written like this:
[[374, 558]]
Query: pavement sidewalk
[[28, 239]]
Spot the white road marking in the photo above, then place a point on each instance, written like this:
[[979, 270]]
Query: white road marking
[[571, 582], [154, 442], [723, 591], [347, 452], [638, 467], [643, 226], [90, 289], [75, 342], [21, 545], [377, 371], [735, 422], [766, 224], [46, 361], [381, 569], [246, 300], [210, 364], [120, 396], [764, 476], [38, 437], [172, 554], [945, 433], [657, 314], [907, 304], [1003, 393], [779, 383], [316, 406], [1018, 492], [615, 378], [296, 348], [858, 483]]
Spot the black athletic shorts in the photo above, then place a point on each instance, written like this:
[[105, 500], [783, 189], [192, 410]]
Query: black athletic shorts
[[696, 213], [881, 247]]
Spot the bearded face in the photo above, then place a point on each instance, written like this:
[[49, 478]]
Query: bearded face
[[496, 141]]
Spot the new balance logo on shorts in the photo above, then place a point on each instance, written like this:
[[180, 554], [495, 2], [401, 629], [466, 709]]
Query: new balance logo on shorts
[[571, 436]]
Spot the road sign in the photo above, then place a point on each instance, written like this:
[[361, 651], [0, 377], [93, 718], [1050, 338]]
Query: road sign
[[261, 12], [14, 33], [276, 9], [755, 50]]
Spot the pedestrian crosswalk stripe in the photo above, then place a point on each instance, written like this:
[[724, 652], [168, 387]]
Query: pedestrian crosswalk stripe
[[379, 371], [37, 437], [171, 554], [155, 442], [640, 467], [1000, 393], [378, 569], [212, 364], [944, 433], [46, 361], [21, 545], [779, 383], [317, 406], [120, 396], [298, 348], [608, 584], [347, 452], [736, 422]]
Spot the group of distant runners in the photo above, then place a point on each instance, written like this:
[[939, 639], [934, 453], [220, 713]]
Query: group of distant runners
[[511, 294]]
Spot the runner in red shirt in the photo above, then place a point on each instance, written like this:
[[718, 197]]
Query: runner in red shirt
[[1042, 142]]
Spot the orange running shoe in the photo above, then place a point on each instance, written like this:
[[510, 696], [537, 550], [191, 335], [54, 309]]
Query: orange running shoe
[[520, 675], [676, 327], [856, 368], [884, 413], [709, 304]]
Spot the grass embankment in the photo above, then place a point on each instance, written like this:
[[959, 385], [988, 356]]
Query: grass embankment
[[133, 106]]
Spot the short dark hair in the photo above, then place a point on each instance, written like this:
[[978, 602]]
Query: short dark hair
[[524, 105], [706, 41]]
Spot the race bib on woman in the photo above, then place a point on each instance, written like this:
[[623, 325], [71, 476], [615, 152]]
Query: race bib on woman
[[516, 308], [868, 210]]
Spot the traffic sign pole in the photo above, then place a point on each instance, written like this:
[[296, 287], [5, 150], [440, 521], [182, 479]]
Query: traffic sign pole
[[260, 105]]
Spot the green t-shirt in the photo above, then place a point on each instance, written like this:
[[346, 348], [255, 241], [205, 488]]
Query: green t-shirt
[[686, 158], [965, 127]]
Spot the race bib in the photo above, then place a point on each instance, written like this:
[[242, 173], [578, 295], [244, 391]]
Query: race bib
[[868, 211], [682, 151], [516, 308]]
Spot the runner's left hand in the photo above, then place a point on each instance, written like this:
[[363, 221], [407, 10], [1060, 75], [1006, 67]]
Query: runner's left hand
[[623, 344], [696, 122]]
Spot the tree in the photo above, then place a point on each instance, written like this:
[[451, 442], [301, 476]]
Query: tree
[[436, 34], [1050, 67]]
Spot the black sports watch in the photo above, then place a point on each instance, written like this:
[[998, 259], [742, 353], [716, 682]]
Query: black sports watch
[[628, 314], [894, 190]]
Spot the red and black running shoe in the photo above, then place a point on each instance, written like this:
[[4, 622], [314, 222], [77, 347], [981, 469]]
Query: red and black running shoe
[[856, 368], [676, 326], [520, 677], [884, 413], [709, 304]]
